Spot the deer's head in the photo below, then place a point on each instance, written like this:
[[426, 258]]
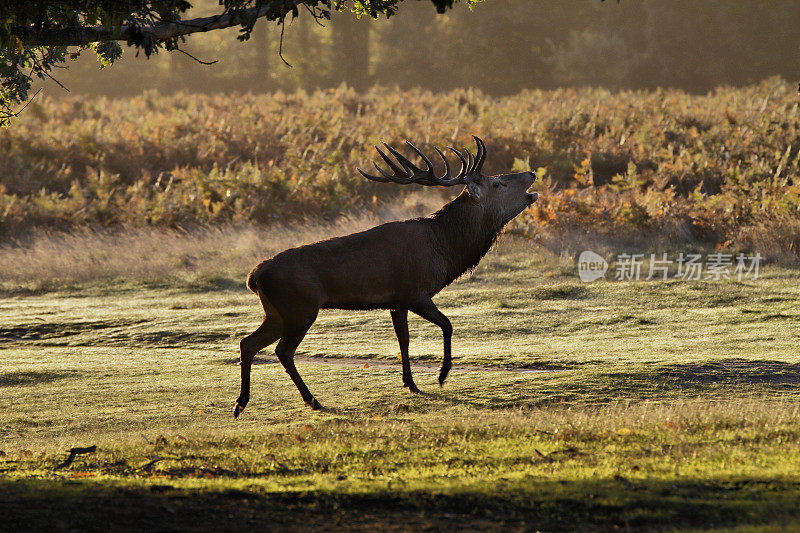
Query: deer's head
[[505, 195]]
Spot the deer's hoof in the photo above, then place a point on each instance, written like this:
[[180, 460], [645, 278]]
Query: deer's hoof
[[238, 409], [443, 376], [412, 388], [315, 405]]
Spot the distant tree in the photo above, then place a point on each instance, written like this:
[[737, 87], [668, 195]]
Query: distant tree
[[351, 51], [35, 36]]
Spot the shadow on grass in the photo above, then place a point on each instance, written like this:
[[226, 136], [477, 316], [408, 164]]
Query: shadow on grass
[[726, 377], [717, 379], [13, 379], [760, 376], [105, 332], [564, 291], [605, 504], [56, 330], [722, 379]]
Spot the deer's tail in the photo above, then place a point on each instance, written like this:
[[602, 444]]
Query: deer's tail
[[252, 280]]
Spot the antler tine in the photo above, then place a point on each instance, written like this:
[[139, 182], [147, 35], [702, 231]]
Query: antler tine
[[388, 176], [426, 176], [372, 177], [400, 173], [407, 165], [471, 164], [432, 179], [447, 175], [481, 153], [464, 165], [423, 156]]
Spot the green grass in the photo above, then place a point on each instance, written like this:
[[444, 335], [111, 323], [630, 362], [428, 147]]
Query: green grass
[[660, 405]]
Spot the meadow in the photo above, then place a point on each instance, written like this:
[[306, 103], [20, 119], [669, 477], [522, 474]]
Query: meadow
[[656, 405], [128, 226]]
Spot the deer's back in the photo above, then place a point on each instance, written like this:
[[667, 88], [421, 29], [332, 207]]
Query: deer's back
[[389, 266]]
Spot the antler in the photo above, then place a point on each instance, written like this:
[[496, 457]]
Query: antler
[[406, 172]]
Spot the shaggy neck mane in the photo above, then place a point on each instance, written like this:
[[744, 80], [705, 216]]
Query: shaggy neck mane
[[465, 232]]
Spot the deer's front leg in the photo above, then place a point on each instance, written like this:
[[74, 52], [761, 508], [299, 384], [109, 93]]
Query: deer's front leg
[[428, 310], [400, 323]]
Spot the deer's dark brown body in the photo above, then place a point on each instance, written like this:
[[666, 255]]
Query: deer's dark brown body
[[398, 266], [390, 266]]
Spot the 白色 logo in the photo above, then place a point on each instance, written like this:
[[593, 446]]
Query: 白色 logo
[[591, 266]]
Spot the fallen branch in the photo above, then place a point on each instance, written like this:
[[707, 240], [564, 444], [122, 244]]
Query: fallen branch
[[73, 453], [246, 466], [147, 465]]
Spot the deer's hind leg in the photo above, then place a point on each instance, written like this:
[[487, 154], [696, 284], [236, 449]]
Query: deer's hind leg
[[293, 332], [268, 332]]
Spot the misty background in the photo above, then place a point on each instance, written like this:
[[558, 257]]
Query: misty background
[[501, 47]]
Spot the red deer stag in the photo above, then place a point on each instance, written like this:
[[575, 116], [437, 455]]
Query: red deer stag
[[398, 266]]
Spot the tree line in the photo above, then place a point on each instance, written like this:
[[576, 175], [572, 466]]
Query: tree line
[[501, 46]]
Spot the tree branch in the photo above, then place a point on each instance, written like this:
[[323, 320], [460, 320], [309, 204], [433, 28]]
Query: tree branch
[[276, 9], [19, 111]]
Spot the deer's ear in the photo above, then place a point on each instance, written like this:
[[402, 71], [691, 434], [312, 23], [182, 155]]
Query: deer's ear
[[476, 189]]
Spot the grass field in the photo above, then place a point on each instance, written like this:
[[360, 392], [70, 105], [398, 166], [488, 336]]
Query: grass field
[[571, 406]]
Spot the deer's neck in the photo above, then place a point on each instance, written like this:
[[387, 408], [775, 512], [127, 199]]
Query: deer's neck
[[465, 231]]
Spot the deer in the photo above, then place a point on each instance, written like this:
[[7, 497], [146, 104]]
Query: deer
[[398, 266]]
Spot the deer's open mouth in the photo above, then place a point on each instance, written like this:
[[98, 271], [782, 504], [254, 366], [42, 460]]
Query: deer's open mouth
[[531, 196]]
